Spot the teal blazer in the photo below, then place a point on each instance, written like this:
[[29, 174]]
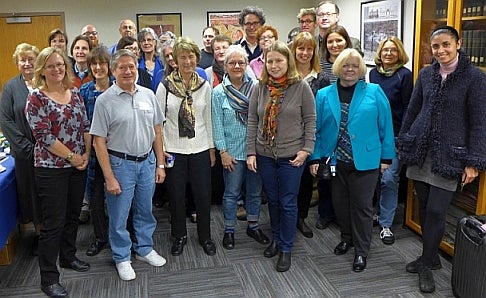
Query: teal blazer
[[370, 125]]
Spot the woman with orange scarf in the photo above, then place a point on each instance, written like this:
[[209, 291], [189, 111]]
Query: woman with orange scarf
[[281, 134]]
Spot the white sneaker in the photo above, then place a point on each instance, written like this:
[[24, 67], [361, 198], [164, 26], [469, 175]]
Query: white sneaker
[[386, 236], [125, 270], [153, 258]]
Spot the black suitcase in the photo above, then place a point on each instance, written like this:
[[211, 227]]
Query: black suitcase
[[469, 262]]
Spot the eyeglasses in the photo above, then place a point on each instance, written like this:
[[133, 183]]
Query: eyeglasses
[[133, 49], [90, 33], [388, 50], [306, 22], [251, 24], [52, 67], [264, 37], [326, 14], [28, 60], [147, 40], [234, 63]]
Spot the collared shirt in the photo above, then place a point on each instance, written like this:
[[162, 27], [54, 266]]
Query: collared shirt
[[257, 65], [229, 132], [253, 50], [127, 120]]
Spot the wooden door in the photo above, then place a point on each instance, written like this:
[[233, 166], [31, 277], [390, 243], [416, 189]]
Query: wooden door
[[36, 33]]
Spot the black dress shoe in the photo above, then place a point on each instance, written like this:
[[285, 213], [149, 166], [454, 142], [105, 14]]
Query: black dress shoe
[[229, 240], [304, 228], [272, 250], [342, 248], [95, 248], [322, 223], [426, 280], [283, 263], [359, 263], [413, 266], [257, 235], [76, 265], [178, 246], [54, 290], [209, 247]]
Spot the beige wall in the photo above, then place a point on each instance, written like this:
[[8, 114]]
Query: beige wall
[[106, 16]]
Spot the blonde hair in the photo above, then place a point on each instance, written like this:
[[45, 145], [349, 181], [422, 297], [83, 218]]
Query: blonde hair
[[293, 75], [186, 44], [303, 39], [402, 55], [40, 63], [23, 48], [342, 59]]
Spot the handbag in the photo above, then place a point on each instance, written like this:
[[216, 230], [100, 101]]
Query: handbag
[[324, 169]]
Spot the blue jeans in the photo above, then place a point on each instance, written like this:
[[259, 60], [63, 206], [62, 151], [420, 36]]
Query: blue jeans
[[389, 193], [137, 183], [233, 181], [281, 182]]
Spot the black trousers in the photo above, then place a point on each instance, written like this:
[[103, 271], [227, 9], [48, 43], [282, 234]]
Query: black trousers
[[434, 203], [305, 193], [352, 196], [29, 209], [61, 194], [97, 205], [195, 168]]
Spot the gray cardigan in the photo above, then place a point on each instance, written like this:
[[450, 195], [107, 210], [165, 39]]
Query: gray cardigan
[[296, 122], [13, 120]]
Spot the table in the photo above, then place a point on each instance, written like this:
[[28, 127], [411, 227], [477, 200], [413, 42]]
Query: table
[[8, 200]]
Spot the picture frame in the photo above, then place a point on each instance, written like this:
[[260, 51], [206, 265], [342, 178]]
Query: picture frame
[[379, 19], [161, 22], [227, 23]]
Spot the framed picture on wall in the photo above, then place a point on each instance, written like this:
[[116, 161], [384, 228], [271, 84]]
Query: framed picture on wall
[[379, 19], [161, 22], [227, 23]]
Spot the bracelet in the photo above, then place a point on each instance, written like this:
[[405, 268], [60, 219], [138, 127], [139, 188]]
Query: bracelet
[[161, 166], [221, 152], [248, 155], [69, 157]]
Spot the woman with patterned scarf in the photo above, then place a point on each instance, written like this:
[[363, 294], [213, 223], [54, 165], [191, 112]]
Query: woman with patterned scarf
[[281, 135], [230, 119], [397, 82], [186, 102]]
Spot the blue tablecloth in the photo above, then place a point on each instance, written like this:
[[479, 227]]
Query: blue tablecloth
[[8, 200]]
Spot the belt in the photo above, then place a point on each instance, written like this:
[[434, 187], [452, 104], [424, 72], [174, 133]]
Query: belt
[[128, 157]]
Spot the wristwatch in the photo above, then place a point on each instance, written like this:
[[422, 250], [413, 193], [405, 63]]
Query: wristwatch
[[69, 157], [161, 166]]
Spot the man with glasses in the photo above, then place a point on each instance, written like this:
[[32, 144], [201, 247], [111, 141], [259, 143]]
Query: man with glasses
[[251, 18], [91, 32], [127, 28], [328, 16], [208, 35]]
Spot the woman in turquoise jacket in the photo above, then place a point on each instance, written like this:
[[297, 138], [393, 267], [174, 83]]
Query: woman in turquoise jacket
[[354, 128]]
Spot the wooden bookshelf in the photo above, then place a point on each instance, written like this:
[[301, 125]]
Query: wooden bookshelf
[[461, 15]]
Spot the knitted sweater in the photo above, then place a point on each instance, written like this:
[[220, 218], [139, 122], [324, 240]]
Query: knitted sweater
[[446, 120]]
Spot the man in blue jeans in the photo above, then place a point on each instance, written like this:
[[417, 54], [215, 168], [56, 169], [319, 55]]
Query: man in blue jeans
[[127, 134]]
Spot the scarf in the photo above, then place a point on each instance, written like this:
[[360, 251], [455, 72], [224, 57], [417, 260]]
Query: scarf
[[277, 88], [389, 71], [186, 119], [238, 99], [218, 73]]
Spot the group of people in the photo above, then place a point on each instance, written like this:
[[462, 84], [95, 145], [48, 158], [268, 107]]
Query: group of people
[[269, 112]]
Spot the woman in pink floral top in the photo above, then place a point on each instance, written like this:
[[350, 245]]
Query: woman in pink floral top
[[57, 116]]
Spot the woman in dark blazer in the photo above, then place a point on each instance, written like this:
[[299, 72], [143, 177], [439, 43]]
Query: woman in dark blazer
[[354, 128]]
